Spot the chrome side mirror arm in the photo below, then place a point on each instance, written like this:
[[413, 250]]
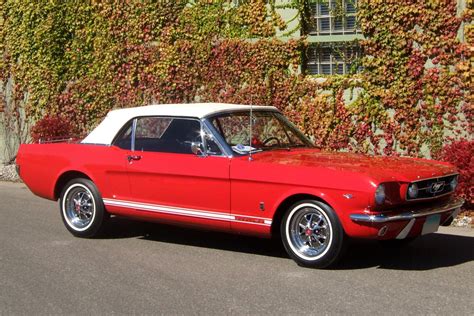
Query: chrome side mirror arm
[[198, 149]]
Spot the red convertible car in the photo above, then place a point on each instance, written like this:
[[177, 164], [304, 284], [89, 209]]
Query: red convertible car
[[239, 169]]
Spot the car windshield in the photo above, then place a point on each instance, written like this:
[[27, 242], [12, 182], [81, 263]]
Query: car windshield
[[270, 131]]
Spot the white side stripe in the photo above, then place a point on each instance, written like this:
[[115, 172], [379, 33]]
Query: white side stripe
[[254, 220]]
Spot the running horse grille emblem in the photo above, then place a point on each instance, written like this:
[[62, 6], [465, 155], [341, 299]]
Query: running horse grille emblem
[[437, 187]]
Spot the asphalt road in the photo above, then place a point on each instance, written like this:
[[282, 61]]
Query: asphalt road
[[147, 268]]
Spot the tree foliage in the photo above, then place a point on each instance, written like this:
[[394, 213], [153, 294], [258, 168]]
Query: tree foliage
[[79, 60]]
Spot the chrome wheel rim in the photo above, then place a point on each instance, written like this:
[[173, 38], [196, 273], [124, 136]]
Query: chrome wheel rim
[[79, 207], [309, 232]]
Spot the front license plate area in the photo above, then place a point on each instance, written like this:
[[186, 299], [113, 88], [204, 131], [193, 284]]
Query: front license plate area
[[431, 224]]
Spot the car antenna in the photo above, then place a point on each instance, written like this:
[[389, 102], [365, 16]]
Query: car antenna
[[250, 132]]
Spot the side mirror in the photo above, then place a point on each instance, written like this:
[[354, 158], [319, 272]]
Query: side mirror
[[197, 149]]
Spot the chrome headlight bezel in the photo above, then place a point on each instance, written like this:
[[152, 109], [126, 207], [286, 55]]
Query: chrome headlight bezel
[[412, 191], [454, 183], [380, 194]]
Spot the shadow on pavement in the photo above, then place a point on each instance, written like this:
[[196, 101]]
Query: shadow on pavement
[[125, 228], [427, 252]]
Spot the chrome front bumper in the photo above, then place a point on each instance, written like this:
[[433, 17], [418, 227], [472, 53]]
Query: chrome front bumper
[[409, 214]]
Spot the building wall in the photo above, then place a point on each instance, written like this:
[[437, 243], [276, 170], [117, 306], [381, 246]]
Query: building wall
[[2, 140], [14, 129], [318, 42], [291, 17]]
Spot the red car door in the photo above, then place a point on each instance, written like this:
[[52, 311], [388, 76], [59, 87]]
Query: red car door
[[171, 183]]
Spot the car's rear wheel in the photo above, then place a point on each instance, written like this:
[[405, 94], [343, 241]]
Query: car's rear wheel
[[312, 234], [82, 209]]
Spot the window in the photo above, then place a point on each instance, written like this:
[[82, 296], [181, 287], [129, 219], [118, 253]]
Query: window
[[234, 128], [270, 131], [171, 135], [327, 18], [151, 127], [331, 58], [331, 26], [124, 138], [165, 134]]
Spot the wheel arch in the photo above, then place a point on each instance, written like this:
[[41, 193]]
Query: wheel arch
[[286, 203], [65, 177]]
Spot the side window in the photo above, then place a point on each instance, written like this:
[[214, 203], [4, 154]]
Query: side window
[[151, 127], [212, 148], [124, 138], [148, 133], [164, 134]]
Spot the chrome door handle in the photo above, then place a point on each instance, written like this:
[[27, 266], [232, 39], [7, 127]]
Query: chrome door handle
[[133, 157]]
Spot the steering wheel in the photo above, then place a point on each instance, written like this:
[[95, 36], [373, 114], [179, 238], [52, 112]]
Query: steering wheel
[[269, 139]]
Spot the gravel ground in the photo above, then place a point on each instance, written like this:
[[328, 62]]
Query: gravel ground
[[8, 173]]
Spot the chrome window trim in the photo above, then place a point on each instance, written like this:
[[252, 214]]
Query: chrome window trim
[[134, 127]]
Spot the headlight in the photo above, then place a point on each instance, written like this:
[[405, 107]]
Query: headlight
[[412, 191], [454, 183], [380, 194]]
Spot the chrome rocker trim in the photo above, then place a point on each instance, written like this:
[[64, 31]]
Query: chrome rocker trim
[[408, 214], [237, 218]]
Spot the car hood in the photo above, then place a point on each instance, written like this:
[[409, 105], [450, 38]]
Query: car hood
[[381, 169]]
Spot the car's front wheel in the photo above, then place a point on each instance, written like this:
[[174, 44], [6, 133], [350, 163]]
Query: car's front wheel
[[312, 234], [82, 209]]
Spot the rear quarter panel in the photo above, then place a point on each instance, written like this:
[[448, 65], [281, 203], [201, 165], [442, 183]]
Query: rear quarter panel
[[41, 165]]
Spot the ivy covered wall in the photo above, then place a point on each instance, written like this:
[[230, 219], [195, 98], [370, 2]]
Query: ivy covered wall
[[78, 61]]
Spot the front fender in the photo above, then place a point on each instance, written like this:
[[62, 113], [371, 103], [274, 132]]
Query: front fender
[[342, 202]]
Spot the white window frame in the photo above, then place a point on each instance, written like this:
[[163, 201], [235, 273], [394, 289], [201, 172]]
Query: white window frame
[[314, 14]]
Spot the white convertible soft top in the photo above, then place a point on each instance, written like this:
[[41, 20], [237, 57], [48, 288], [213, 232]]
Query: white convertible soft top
[[105, 132]]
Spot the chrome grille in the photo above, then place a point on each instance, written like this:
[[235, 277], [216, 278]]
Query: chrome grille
[[434, 187]]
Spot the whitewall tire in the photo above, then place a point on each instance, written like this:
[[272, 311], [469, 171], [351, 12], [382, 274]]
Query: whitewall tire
[[312, 234], [82, 209]]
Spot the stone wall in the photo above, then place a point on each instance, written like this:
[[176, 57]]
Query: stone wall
[[3, 149], [14, 123]]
